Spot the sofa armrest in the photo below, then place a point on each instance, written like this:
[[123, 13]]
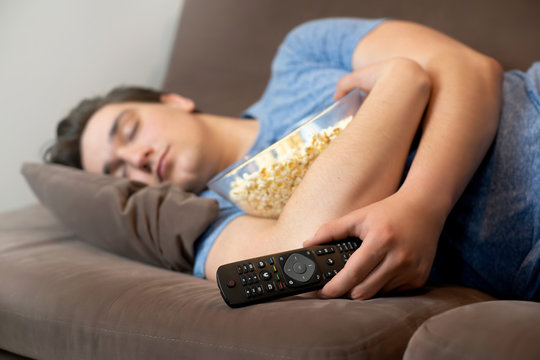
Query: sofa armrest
[[486, 330]]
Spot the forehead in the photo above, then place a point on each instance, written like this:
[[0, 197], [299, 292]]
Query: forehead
[[95, 146]]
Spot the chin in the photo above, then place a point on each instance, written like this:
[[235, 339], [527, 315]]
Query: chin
[[190, 183]]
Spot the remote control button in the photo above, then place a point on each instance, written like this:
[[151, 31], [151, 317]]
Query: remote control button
[[266, 275], [299, 268], [245, 268], [247, 292], [270, 287], [281, 286], [296, 262], [274, 268], [231, 283], [250, 267], [240, 269], [260, 290], [330, 261], [271, 260], [261, 264], [244, 280]]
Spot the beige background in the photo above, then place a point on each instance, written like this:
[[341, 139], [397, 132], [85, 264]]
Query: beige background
[[53, 53]]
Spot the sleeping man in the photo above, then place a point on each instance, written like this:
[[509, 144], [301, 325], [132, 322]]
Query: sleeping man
[[438, 172]]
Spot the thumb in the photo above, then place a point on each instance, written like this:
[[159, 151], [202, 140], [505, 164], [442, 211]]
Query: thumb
[[344, 86], [349, 82]]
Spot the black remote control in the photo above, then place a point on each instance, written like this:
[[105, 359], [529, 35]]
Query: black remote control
[[283, 274]]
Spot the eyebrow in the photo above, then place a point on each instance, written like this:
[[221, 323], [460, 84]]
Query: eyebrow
[[112, 133]]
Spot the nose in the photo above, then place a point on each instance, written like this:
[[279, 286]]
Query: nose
[[137, 156]]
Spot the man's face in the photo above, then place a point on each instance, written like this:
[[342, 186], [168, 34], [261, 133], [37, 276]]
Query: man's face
[[148, 142]]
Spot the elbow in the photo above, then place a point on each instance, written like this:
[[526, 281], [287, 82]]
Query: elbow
[[415, 75], [493, 68], [491, 75], [491, 72]]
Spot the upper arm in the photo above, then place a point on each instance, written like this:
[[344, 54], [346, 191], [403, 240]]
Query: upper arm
[[244, 237], [411, 40]]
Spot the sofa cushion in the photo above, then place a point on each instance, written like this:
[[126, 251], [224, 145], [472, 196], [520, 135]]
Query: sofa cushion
[[487, 330], [154, 224], [64, 299]]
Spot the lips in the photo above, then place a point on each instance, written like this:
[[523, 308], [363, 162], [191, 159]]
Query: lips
[[161, 166]]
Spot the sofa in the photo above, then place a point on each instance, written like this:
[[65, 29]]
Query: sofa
[[99, 268]]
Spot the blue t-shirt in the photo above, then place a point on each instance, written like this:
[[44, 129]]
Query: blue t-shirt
[[491, 240], [305, 71]]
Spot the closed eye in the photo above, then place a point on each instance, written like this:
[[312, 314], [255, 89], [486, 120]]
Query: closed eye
[[134, 130]]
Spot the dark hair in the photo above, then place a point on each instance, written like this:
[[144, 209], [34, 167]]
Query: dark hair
[[66, 149]]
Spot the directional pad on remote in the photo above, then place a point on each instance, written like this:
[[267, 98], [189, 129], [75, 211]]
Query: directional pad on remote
[[299, 267]]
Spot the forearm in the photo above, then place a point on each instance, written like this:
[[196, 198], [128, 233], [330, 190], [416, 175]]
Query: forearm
[[462, 116], [365, 163], [458, 128]]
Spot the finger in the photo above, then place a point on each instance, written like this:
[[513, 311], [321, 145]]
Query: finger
[[404, 282], [345, 85], [374, 282], [338, 229], [359, 265], [362, 79]]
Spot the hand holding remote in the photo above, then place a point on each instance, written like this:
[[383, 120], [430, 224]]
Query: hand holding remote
[[283, 274]]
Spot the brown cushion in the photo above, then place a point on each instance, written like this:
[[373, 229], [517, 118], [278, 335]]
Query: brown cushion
[[64, 299], [154, 224], [487, 330]]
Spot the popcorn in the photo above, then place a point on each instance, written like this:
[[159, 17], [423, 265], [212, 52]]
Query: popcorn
[[266, 191]]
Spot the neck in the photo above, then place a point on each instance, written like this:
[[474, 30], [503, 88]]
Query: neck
[[230, 138]]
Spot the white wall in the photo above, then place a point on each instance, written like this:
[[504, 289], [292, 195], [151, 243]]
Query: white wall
[[55, 52]]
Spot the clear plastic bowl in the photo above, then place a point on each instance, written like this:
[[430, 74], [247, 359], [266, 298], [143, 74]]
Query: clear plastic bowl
[[330, 117]]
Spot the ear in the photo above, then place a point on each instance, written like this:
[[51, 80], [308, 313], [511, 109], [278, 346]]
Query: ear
[[179, 101]]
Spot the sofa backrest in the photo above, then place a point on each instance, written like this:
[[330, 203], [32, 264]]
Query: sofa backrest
[[224, 48]]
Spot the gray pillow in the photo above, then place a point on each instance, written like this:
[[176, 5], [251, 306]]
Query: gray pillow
[[156, 224]]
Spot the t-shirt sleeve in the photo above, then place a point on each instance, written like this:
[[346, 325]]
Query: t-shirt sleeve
[[325, 43], [308, 65]]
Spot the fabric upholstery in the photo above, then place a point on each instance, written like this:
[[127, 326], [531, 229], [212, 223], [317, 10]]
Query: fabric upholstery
[[154, 224], [64, 299], [4, 355], [487, 330]]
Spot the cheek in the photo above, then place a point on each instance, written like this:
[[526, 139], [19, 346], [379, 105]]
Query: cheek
[[154, 134]]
